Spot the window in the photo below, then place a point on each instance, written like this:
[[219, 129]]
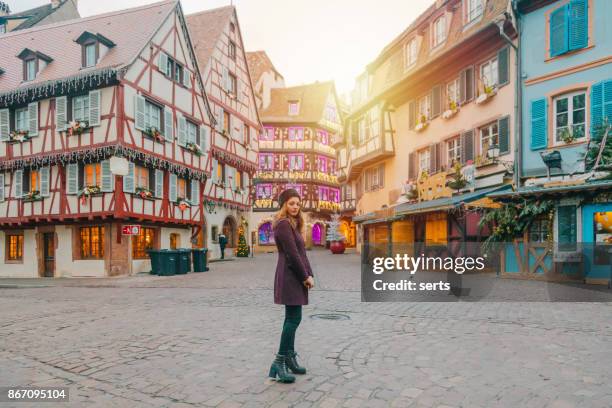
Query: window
[[192, 133], [323, 193], [232, 27], [570, 117], [569, 27], [296, 134], [294, 107], [322, 164], [181, 188], [489, 73], [34, 180], [374, 178], [439, 31], [30, 69], [266, 161], [410, 53], [80, 108], [92, 242], [152, 115], [425, 107], [267, 134], [233, 84], [296, 161], [173, 69], [175, 241], [245, 133], [454, 151], [330, 114], [14, 247], [178, 73], [324, 137], [264, 191], [452, 92], [90, 55], [142, 242], [232, 50], [567, 228], [539, 229], [93, 174], [226, 122], [141, 177], [424, 161], [474, 10], [21, 119], [489, 136]]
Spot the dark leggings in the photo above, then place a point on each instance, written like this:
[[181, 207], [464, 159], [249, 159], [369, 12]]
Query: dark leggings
[[293, 317]]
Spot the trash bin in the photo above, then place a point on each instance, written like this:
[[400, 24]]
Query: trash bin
[[156, 261], [184, 260], [169, 262], [199, 259]]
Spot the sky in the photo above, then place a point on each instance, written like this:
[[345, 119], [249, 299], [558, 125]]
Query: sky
[[307, 40]]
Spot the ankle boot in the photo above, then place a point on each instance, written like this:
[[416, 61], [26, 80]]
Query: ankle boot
[[292, 363], [279, 370]]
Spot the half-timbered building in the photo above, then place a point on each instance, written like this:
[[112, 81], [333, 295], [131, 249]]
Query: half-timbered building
[[101, 126], [221, 56]]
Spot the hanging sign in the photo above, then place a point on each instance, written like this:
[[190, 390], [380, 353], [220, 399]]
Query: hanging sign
[[130, 230]]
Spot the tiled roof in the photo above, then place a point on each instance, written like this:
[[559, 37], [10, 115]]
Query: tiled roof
[[259, 62], [35, 15], [57, 41], [311, 97], [205, 28]]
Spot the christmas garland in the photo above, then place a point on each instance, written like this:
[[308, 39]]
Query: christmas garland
[[234, 160]]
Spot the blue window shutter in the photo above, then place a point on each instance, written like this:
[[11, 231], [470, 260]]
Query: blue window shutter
[[607, 101], [596, 108], [578, 24], [538, 124], [558, 31]]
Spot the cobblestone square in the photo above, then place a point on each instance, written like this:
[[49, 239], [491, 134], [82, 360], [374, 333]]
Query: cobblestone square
[[207, 340]]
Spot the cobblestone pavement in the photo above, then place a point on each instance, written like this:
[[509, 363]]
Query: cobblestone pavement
[[208, 339]]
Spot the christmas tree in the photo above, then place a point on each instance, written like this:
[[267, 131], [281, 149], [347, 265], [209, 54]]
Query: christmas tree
[[333, 229], [243, 248]]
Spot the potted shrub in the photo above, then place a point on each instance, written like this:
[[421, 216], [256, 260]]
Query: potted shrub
[[452, 110]]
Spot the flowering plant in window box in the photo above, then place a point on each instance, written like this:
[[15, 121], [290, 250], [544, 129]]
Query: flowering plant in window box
[[489, 91], [88, 191], [33, 195], [19, 136], [452, 110], [183, 203], [76, 127], [154, 133], [422, 123], [423, 176], [567, 136], [194, 148], [144, 193]]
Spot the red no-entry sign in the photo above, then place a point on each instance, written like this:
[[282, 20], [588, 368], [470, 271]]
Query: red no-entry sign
[[131, 230]]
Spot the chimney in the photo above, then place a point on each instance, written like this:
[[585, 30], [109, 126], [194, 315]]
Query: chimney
[[55, 3], [4, 9]]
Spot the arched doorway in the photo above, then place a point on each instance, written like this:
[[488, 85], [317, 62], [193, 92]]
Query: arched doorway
[[229, 230], [265, 234], [347, 228], [317, 234]]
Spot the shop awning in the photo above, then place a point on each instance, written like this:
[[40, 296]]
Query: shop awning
[[446, 203], [560, 189], [385, 219]]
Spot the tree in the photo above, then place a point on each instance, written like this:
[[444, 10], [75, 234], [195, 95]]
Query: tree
[[599, 152], [243, 249], [333, 229]]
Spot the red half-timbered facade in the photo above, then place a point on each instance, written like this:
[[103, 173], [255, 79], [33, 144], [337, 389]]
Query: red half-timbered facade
[[101, 128], [221, 56]]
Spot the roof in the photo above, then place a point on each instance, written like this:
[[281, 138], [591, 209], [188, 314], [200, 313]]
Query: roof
[[446, 203], [259, 62], [58, 41], [35, 15], [312, 99], [205, 28], [541, 190]]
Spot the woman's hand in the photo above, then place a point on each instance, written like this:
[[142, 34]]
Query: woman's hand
[[309, 283]]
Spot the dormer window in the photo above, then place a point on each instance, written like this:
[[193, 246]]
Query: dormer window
[[33, 63], [439, 31], [93, 47], [294, 107]]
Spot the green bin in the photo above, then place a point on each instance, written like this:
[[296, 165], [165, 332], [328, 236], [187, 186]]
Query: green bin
[[199, 259], [170, 262], [184, 260], [156, 261]]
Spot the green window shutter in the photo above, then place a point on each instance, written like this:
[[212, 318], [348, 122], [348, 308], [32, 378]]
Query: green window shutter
[[61, 113], [33, 119], [94, 108], [5, 125], [578, 24], [128, 180], [159, 183], [503, 71], [44, 181], [18, 183], [107, 176], [168, 124], [567, 228], [1, 187], [139, 120], [503, 126], [597, 109], [173, 182], [72, 178], [195, 192], [538, 124], [558, 31]]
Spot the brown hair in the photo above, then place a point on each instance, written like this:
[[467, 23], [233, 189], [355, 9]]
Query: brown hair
[[297, 222]]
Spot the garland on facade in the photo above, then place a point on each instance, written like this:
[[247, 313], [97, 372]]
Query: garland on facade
[[211, 204], [234, 160], [61, 86], [98, 154]]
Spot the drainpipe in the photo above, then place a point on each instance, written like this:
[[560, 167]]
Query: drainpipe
[[518, 97]]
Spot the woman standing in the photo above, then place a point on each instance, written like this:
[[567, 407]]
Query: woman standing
[[292, 281]]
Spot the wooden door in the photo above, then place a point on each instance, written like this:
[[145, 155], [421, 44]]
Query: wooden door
[[48, 254]]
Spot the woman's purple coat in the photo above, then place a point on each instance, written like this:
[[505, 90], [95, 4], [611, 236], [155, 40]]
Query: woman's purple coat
[[292, 268]]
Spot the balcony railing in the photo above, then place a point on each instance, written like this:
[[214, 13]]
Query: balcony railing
[[300, 145], [301, 175]]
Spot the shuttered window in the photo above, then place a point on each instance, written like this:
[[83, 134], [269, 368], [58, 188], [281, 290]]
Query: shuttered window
[[538, 124], [489, 136], [569, 27], [601, 107]]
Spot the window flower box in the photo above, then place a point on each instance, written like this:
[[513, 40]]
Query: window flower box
[[87, 192], [144, 193], [194, 148], [489, 92], [77, 127], [422, 123], [452, 110], [483, 160], [19, 136], [183, 203], [155, 134], [33, 195]]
